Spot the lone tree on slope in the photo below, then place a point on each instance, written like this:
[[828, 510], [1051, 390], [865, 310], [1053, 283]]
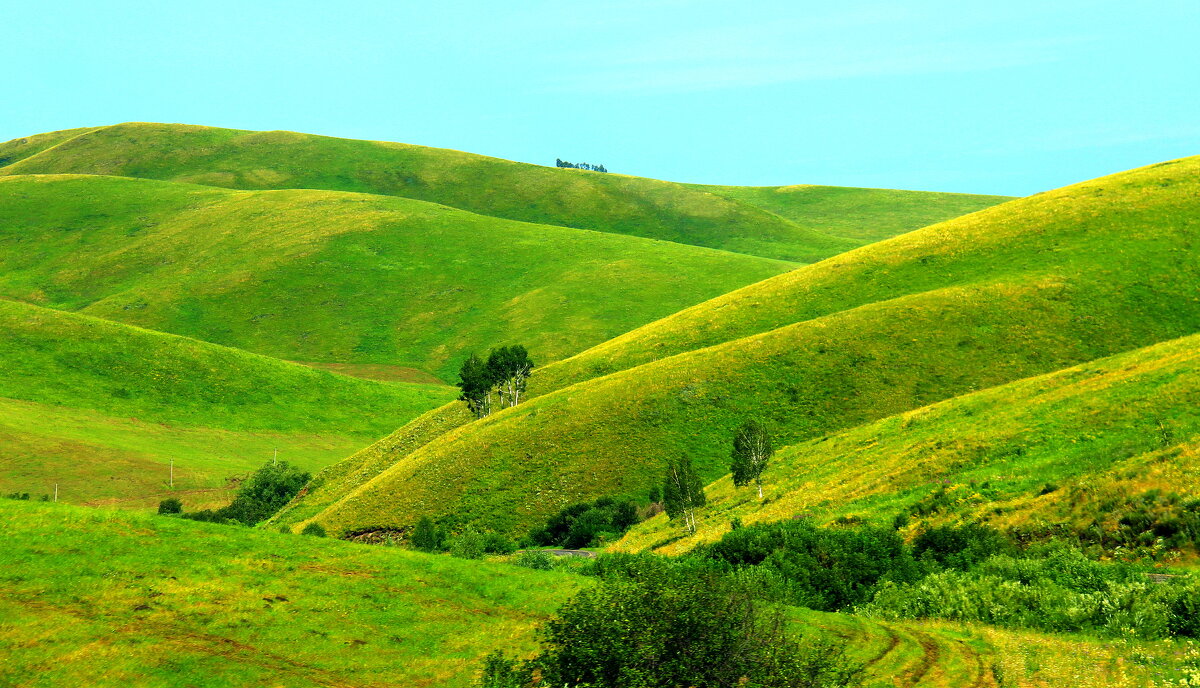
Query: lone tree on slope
[[476, 382], [751, 451], [509, 368], [683, 492]]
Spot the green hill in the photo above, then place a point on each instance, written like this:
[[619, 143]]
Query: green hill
[[488, 186], [99, 598], [1080, 448], [101, 409], [1019, 290], [333, 277], [863, 215]]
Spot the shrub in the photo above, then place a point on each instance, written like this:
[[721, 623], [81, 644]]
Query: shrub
[[313, 529], [662, 633], [827, 569], [959, 547], [170, 505], [498, 543], [586, 524], [426, 536], [539, 560], [266, 492], [467, 545]]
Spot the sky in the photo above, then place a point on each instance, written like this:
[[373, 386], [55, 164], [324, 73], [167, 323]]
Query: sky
[[1007, 97]]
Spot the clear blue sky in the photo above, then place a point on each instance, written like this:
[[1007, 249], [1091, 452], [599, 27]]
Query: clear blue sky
[[996, 97]]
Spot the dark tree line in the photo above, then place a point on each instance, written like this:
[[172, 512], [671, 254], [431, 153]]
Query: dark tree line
[[504, 373], [579, 166]]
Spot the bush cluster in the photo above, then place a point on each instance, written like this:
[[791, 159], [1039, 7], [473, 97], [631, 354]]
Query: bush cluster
[[585, 525], [262, 495], [669, 631]]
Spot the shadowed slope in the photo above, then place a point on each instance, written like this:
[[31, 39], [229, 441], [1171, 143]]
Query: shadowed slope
[[1027, 288], [332, 277]]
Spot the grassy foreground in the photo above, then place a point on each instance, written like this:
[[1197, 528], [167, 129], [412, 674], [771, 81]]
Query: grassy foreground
[[102, 408], [802, 231], [1024, 289], [103, 598], [331, 277]]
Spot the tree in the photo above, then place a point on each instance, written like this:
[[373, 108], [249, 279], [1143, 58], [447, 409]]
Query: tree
[[265, 492], [509, 368], [170, 505], [751, 451], [683, 492], [426, 537], [476, 382]]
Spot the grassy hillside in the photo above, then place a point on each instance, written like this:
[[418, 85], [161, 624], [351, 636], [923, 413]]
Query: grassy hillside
[[1066, 448], [101, 408], [16, 150], [864, 215], [488, 186], [99, 598], [1024, 289], [331, 277]]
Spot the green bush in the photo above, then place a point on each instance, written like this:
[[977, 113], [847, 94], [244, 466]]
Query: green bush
[[586, 524], [313, 529], [467, 545], [498, 543], [536, 559], [426, 536], [665, 633], [825, 568], [170, 505]]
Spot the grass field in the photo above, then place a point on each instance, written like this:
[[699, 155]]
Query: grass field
[[1099, 435], [1020, 290], [102, 408], [102, 598], [487, 186], [339, 278]]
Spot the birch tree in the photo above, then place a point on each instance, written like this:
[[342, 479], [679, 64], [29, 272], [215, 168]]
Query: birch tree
[[751, 451], [509, 368], [683, 492]]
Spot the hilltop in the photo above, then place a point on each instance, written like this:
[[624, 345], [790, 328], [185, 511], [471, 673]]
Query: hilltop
[[1022, 289], [488, 186], [342, 278], [102, 408]]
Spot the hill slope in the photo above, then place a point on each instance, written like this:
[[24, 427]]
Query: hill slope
[[1024, 289], [1097, 434], [101, 408], [864, 215], [487, 186], [334, 277]]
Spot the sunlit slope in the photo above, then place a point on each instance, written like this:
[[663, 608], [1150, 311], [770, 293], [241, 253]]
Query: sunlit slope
[[1054, 281], [864, 215], [488, 186], [1095, 434], [332, 277], [101, 408], [1081, 233]]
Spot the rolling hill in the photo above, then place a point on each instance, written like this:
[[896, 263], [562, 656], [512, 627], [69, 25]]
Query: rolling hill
[[102, 408], [99, 598], [1023, 289], [488, 186], [340, 278], [1078, 448]]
